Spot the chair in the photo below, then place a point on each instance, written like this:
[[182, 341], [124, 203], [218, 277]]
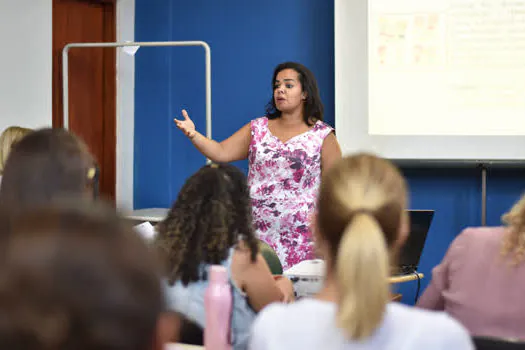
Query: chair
[[190, 332], [488, 343], [396, 297], [271, 258]]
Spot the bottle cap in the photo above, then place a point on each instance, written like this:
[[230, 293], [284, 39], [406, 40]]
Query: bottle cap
[[218, 273]]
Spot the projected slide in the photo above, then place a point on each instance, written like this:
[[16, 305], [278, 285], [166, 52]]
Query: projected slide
[[446, 67]]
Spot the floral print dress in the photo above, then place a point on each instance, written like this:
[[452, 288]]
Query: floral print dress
[[284, 180]]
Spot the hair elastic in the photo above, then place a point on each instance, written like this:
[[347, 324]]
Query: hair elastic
[[91, 173], [362, 211]]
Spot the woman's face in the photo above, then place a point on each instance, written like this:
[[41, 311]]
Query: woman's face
[[287, 91]]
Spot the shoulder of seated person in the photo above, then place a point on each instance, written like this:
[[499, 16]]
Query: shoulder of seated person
[[431, 325], [305, 306], [449, 331], [483, 231], [242, 254], [280, 318], [271, 315], [480, 235]]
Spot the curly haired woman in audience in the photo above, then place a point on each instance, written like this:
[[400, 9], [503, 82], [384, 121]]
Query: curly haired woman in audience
[[8, 139], [210, 223], [361, 222], [481, 280]]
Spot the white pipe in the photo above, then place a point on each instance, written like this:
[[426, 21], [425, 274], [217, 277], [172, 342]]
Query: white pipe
[[65, 71]]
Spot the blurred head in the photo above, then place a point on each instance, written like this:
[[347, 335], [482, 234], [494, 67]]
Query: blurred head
[[361, 222], [211, 211], [514, 242], [8, 139], [77, 278], [45, 165], [295, 87]]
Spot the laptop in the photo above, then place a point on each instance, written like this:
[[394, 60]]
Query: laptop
[[307, 276], [410, 253]]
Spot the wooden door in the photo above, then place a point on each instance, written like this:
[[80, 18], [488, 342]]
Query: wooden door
[[92, 79]]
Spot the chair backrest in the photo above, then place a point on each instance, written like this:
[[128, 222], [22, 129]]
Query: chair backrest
[[190, 332], [271, 258], [487, 343]]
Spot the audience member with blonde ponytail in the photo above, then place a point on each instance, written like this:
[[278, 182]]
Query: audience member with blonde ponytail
[[361, 223], [481, 280]]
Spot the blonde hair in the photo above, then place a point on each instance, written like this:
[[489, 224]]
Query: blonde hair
[[360, 214], [514, 242], [8, 139]]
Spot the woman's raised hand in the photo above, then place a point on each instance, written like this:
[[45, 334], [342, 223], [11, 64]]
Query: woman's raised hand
[[186, 125]]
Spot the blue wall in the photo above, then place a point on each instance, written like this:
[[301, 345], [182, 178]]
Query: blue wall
[[248, 39]]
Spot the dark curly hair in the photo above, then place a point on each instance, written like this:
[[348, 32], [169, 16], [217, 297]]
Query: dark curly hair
[[313, 106], [212, 210]]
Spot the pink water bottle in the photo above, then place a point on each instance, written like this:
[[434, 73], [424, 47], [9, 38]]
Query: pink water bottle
[[218, 308]]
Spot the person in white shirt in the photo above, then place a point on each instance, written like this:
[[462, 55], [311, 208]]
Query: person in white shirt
[[361, 222]]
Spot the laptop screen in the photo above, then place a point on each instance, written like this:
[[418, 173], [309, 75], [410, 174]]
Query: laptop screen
[[420, 220]]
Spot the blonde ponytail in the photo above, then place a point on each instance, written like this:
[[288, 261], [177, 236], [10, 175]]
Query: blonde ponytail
[[362, 271]]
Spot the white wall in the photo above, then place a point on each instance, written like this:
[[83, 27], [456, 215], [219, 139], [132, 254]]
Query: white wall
[[26, 61], [26, 77]]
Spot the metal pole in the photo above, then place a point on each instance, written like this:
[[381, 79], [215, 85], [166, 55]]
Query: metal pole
[[208, 90], [65, 71], [483, 195], [65, 88]]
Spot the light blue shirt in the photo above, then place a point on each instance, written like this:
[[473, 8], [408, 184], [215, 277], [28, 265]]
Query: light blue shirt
[[189, 301]]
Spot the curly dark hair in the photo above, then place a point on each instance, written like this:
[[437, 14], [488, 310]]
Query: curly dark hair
[[313, 106], [212, 210]]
